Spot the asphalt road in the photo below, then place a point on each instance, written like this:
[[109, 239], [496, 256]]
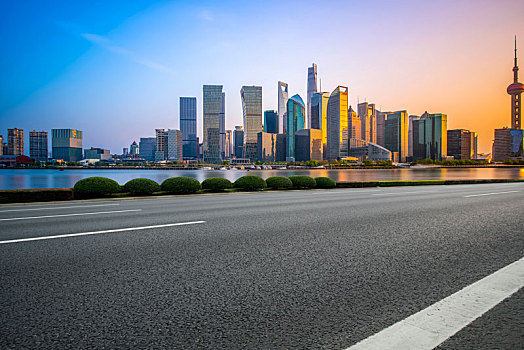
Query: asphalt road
[[273, 270]]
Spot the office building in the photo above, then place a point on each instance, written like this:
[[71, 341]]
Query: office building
[[238, 142], [337, 124], [282, 107], [38, 145], [319, 103], [267, 146], [296, 119], [229, 144], [396, 134], [354, 125], [15, 142], [311, 89], [508, 144], [125, 151], [175, 146], [281, 148], [308, 145], [188, 127], [213, 120], [133, 150], [271, 122], [1, 145], [430, 137], [97, 153], [252, 112], [67, 144], [161, 145], [380, 121], [364, 150], [462, 144], [411, 118], [222, 126], [147, 148], [366, 113]]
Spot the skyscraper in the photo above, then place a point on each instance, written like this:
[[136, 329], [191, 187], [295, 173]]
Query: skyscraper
[[311, 89], [308, 145], [252, 111], [462, 144], [38, 145], [366, 113], [396, 134], [319, 103], [133, 150], [175, 145], [188, 126], [161, 145], [222, 128], [238, 142], [213, 108], [271, 122], [67, 144], [411, 118], [380, 121], [337, 124], [354, 126], [15, 142], [430, 134], [147, 148], [1, 145], [282, 107], [296, 118], [229, 144], [515, 90]]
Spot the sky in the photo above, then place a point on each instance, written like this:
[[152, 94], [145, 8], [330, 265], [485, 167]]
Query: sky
[[116, 69]]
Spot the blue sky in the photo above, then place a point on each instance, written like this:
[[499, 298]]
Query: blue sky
[[115, 69]]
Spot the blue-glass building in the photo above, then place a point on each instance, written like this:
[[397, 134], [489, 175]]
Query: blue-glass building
[[296, 117], [188, 126], [271, 122]]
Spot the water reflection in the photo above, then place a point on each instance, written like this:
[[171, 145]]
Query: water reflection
[[52, 178]]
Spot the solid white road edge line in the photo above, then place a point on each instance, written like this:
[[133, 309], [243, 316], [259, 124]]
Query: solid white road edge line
[[100, 232], [430, 327], [393, 193], [488, 194], [54, 208], [77, 214]]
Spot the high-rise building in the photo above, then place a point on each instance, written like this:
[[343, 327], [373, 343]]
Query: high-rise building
[[238, 142], [229, 144], [252, 112], [430, 137], [319, 103], [354, 125], [296, 118], [508, 144], [337, 124], [411, 118], [366, 113], [267, 146], [396, 134], [175, 145], [147, 148], [271, 122], [311, 89], [1, 145], [222, 126], [67, 144], [515, 90], [133, 150], [308, 145], [97, 153], [213, 113], [282, 107], [380, 121], [462, 144], [161, 145], [15, 142], [188, 126], [125, 151], [38, 149]]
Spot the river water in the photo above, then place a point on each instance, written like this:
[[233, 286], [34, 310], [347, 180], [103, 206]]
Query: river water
[[53, 178]]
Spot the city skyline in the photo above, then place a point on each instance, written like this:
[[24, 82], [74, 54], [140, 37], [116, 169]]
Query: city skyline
[[116, 79]]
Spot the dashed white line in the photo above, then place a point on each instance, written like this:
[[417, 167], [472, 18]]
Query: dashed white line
[[54, 208], [76, 214], [488, 194], [430, 327], [100, 232]]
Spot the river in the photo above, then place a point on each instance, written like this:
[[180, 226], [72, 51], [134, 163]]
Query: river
[[53, 178]]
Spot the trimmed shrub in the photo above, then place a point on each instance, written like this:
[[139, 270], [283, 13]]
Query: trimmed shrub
[[216, 184], [278, 182], [181, 185], [250, 183], [302, 181], [96, 186], [141, 186], [36, 195], [325, 182]]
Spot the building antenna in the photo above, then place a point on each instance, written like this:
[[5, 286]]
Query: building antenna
[[515, 51]]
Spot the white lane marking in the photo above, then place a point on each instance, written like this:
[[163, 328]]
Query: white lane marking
[[99, 232], [394, 193], [76, 214], [430, 327], [54, 208], [488, 194]]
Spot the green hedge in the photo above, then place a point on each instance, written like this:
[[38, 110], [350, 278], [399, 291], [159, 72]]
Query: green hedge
[[36, 195], [181, 185], [216, 184], [250, 183], [325, 182], [141, 186], [279, 182], [302, 181], [92, 187]]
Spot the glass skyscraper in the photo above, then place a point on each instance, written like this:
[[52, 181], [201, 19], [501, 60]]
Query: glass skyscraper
[[296, 118], [430, 134], [38, 145], [311, 89], [188, 126], [271, 122], [337, 124], [396, 134], [67, 144], [319, 103], [282, 106], [238, 142], [252, 111], [366, 113], [213, 108], [147, 148]]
